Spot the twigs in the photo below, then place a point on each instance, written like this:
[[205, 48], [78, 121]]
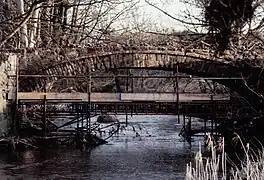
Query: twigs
[[249, 88]]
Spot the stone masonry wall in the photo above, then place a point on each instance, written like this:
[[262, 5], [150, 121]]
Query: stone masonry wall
[[7, 89]]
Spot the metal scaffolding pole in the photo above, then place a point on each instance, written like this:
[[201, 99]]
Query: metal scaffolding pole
[[177, 89], [89, 99], [17, 90], [45, 115]]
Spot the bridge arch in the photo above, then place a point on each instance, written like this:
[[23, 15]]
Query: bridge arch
[[131, 58], [193, 63]]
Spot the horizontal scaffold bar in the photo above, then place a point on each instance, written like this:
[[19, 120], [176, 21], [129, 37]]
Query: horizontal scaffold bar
[[126, 76]]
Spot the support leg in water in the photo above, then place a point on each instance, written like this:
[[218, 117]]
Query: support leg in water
[[186, 132]]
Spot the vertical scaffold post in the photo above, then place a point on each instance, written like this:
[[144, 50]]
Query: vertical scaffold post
[[126, 115], [77, 109], [189, 126], [205, 126], [16, 96], [177, 89], [45, 115], [82, 115], [132, 83], [131, 109], [216, 119], [95, 109], [184, 114], [212, 118], [89, 99], [127, 83]]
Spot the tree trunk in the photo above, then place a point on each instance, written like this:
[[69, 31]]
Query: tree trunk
[[33, 33], [24, 34]]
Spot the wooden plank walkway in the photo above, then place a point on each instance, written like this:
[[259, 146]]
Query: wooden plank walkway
[[117, 97]]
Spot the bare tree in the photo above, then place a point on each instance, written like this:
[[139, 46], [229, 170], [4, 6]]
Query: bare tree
[[59, 22]]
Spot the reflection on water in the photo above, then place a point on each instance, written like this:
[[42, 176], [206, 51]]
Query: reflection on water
[[158, 154]]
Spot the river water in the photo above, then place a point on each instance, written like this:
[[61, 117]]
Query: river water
[[158, 153]]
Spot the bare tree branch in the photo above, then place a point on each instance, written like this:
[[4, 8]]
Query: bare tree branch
[[168, 14], [25, 20]]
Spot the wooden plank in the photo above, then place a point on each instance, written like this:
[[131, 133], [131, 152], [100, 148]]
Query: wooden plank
[[67, 96], [168, 97]]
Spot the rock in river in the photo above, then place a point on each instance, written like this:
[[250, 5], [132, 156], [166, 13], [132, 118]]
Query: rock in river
[[107, 119]]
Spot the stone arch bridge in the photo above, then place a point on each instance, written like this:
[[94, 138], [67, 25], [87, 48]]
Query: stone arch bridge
[[238, 75]]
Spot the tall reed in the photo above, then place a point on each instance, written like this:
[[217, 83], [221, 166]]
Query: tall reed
[[215, 167]]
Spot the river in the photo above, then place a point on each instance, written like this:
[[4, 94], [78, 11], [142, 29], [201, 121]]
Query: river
[[158, 153]]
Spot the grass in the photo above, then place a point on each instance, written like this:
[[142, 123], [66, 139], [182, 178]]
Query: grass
[[214, 167]]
